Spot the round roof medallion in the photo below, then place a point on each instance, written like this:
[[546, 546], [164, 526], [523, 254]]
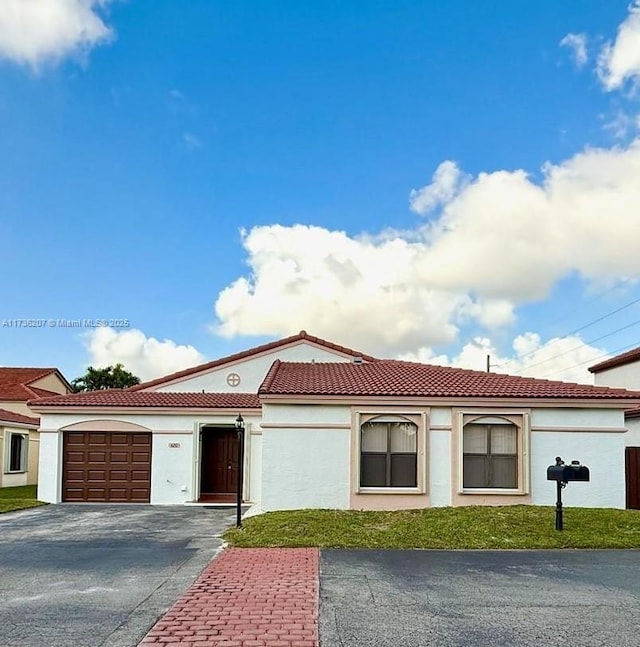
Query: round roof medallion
[[233, 379]]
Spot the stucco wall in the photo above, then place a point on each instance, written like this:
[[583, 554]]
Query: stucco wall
[[17, 407], [49, 470], [632, 437], [626, 376], [300, 455], [252, 371], [603, 453], [19, 478], [593, 436], [33, 457], [174, 469], [51, 383], [305, 468], [440, 468]]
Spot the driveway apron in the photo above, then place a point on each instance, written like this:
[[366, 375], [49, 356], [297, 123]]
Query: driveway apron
[[77, 575]]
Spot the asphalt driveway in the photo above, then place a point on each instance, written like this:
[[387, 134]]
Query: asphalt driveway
[[479, 598], [98, 576]]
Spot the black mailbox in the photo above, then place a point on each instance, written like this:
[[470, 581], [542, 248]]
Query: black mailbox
[[567, 473], [563, 474]]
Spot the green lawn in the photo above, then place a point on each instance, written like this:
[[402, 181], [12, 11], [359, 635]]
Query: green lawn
[[473, 527], [18, 498]]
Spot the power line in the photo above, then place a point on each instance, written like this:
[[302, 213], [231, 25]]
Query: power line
[[584, 343], [595, 359], [583, 327], [588, 324]]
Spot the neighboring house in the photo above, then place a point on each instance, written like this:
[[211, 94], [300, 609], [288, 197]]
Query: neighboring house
[[330, 427], [19, 437], [624, 371]]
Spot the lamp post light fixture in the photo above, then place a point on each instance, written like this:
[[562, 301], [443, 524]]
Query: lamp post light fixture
[[240, 434]]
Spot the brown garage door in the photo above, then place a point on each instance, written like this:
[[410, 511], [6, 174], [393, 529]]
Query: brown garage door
[[106, 466]]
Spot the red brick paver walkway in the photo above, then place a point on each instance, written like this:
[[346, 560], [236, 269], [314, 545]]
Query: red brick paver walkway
[[247, 597]]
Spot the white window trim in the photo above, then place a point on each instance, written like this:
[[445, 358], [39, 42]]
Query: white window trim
[[24, 458], [422, 450], [524, 462]]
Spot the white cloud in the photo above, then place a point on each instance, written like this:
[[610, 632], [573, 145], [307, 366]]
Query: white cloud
[[144, 356], [499, 241], [620, 60], [623, 125], [446, 182], [33, 32], [578, 45], [566, 359]]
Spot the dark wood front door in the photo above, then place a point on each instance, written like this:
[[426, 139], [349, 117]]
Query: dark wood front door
[[632, 465], [219, 462]]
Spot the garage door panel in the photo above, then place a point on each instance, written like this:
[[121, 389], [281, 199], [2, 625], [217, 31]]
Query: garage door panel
[[76, 456], [107, 467]]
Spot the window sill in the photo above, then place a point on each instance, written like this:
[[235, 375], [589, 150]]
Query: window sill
[[15, 472], [497, 491], [389, 490]]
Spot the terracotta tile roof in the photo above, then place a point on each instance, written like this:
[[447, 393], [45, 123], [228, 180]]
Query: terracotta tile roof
[[15, 382], [10, 416], [128, 398], [21, 375], [619, 360], [398, 378], [253, 351], [632, 413]]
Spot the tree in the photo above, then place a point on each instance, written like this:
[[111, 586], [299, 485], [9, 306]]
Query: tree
[[111, 377]]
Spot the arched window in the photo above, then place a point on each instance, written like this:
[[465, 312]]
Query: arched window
[[490, 453], [388, 453]]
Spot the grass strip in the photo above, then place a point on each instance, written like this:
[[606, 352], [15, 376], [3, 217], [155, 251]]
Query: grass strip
[[471, 527]]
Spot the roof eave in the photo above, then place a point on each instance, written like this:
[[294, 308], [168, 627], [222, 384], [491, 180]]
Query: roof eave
[[141, 410], [425, 400]]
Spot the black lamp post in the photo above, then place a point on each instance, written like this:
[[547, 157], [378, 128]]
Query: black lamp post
[[240, 433]]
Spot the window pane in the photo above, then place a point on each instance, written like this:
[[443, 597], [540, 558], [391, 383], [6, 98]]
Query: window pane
[[374, 437], [403, 437], [403, 470], [475, 439], [474, 471], [505, 471], [503, 439], [373, 470], [15, 458]]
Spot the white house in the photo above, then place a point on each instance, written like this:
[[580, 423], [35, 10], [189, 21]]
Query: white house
[[330, 427], [623, 371], [19, 437]]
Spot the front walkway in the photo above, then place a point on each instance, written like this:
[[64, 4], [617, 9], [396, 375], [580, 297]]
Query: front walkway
[[252, 597]]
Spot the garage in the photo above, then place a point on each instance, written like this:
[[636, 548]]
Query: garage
[[112, 467]]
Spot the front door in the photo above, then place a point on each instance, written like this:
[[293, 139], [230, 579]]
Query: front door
[[632, 465], [219, 463]]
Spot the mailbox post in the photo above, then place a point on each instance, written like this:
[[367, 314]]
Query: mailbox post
[[562, 474]]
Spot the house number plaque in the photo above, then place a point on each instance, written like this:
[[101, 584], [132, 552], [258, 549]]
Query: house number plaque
[[174, 445]]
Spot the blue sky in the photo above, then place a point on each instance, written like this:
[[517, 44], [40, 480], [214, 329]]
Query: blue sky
[[433, 181]]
